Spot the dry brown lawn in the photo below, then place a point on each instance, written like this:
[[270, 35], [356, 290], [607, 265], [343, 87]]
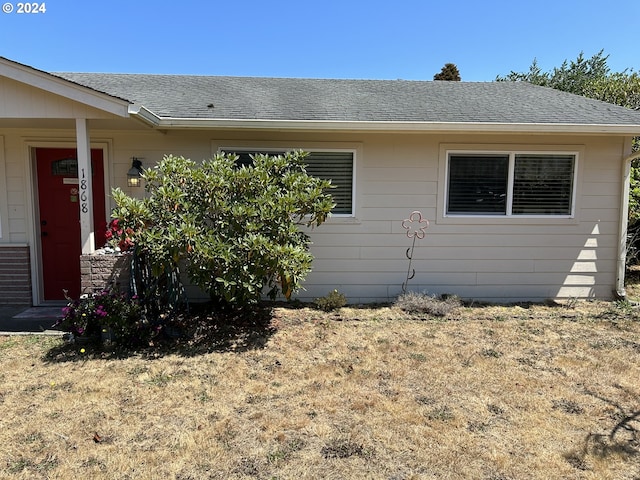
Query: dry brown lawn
[[489, 392]]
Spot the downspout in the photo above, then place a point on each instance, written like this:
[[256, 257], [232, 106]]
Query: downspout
[[624, 219]]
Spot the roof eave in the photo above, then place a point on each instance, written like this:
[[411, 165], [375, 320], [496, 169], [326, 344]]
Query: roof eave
[[382, 126], [65, 88]]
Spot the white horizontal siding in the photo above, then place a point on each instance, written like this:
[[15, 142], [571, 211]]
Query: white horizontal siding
[[493, 259], [454, 243], [519, 266], [496, 259], [16, 175], [584, 228], [396, 213], [399, 188], [600, 189], [544, 278], [398, 174], [495, 253], [597, 215], [599, 201], [401, 200]]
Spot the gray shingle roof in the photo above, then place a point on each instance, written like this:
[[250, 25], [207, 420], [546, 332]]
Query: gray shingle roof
[[248, 98]]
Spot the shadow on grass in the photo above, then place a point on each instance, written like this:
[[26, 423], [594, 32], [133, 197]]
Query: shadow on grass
[[203, 330], [623, 440]]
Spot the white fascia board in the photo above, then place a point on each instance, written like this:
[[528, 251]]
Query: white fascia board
[[206, 123], [64, 88]]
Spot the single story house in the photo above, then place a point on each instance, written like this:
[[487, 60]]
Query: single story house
[[525, 188]]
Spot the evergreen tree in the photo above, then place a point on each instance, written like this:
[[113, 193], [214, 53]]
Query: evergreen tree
[[449, 73]]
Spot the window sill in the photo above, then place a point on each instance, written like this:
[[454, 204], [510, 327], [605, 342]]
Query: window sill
[[343, 220], [340, 220]]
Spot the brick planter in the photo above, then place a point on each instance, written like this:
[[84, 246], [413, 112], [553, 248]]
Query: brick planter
[[104, 271]]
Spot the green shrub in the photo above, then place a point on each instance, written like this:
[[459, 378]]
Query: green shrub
[[423, 303], [90, 314], [235, 228], [332, 301]]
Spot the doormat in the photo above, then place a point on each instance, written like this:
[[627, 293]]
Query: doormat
[[41, 312]]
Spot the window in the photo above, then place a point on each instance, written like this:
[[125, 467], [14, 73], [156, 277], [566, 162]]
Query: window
[[510, 183], [67, 167], [336, 166], [478, 184]]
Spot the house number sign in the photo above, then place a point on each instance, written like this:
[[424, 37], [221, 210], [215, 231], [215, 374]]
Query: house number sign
[[84, 208]]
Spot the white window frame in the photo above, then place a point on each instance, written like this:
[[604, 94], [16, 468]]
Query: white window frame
[[511, 150], [279, 149]]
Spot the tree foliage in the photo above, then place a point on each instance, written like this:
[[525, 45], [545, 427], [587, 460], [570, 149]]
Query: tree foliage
[[618, 88], [235, 228], [589, 77], [574, 76], [449, 73]]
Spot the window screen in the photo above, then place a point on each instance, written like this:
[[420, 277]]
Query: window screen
[[478, 184], [334, 166], [543, 184]]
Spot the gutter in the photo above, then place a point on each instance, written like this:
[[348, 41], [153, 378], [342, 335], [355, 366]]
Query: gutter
[[150, 118], [143, 114], [624, 219]]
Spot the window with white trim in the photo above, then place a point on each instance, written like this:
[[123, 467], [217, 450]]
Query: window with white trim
[[510, 183], [334, 165]]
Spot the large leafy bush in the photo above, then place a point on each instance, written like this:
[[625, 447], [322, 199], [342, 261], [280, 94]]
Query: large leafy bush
[[235, 228]]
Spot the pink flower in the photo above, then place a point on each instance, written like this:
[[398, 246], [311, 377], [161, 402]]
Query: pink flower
[[125, 244]]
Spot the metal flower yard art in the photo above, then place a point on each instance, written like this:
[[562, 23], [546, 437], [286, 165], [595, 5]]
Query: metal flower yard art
[[416, 227]]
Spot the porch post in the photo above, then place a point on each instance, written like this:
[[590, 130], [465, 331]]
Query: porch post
[[84, 187]]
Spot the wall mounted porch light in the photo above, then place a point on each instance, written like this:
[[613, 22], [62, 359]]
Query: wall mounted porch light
[[134, 175]]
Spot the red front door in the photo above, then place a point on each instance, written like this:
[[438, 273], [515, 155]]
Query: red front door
[[59, 201]]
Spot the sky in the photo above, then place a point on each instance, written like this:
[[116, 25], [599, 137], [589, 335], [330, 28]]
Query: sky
[[371, 39]]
